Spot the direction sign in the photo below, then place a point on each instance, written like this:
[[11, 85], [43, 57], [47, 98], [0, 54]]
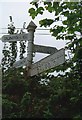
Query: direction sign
[[20, 63], [44, 49], [14, 37], [49, 62]]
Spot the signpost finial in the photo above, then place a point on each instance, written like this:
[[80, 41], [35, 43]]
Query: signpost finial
[[31, 26]]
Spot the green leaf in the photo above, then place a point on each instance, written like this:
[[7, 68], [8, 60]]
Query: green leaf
[[40, 10], [80, 41], [32, 12], [49, 7], [66, 13], [46, 22], [65, 22]]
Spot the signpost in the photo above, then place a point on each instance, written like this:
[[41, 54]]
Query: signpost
[[44, 49], [14, 37], [47, 63], [56, 58]]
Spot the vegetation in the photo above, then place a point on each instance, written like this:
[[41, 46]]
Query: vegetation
[[47, 96]]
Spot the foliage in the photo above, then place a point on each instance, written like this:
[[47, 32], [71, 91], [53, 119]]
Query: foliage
[[47, 96], [9, 107]]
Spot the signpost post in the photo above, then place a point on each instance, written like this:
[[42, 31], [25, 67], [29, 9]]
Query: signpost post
[[31, 29]]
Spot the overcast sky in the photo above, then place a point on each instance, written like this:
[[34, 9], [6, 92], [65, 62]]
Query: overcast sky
[[19, 12]]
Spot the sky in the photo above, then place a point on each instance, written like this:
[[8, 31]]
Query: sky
[[19, 12]]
